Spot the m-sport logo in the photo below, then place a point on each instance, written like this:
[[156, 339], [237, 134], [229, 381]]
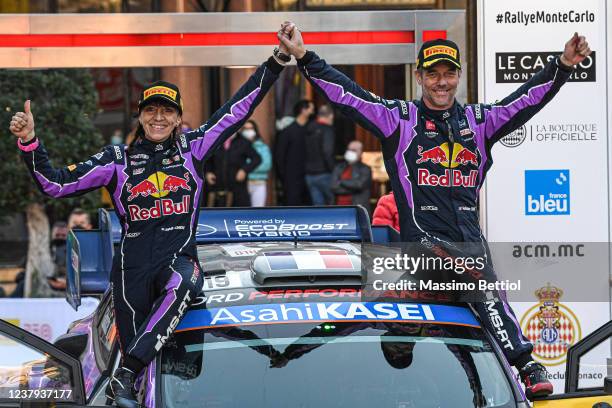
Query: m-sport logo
[[518, 67], [547, 192]]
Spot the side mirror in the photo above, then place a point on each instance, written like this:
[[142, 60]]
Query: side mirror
[[73, 344]]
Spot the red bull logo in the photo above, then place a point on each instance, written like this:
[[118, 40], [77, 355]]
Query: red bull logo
[[461, 156], [158, 184], [145, 188], [162, 207], [173, 183], [436, 155], [449, 178], [465, 156]]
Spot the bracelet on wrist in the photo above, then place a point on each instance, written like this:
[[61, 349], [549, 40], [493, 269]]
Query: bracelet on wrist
[[565, 62], [281, 55]]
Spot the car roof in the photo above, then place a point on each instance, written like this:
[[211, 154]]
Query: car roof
[[252, 264]]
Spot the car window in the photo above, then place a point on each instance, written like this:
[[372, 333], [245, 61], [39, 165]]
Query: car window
[[592, 366], [340, 364], [26, 373], [106, 333]]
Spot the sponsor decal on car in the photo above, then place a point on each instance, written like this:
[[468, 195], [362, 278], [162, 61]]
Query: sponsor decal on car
[[326, 311], [297, 260]]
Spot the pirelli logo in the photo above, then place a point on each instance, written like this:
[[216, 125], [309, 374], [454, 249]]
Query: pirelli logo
[[160, 90], [439, 49]]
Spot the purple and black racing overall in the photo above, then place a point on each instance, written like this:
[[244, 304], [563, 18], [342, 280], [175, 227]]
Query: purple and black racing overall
[[156, 190], [437, 161]]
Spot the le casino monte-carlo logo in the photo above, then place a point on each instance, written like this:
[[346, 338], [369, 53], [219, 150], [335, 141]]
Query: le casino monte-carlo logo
[[518, 67]]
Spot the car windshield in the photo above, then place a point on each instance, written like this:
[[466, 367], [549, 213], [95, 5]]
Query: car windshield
[[333, 364]]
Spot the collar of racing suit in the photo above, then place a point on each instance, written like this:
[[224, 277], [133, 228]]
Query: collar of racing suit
[[152, 146], [439, 115]]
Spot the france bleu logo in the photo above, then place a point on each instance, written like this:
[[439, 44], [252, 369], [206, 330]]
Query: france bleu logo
[[547, 192]]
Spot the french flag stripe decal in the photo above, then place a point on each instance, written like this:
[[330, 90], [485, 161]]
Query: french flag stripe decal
[[308, 260], [336, 259], [281, 261]]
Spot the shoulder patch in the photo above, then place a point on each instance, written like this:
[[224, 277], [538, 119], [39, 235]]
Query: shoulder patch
[[183, 143], [479, 112], [119, 153], [404, 111]]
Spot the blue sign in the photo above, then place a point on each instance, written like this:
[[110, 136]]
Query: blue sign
[[322, 312], [348, 223], [277, 224], [547, 192]]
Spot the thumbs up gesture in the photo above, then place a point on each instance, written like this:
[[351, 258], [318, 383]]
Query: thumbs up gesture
[[576, 50], [22, 123]]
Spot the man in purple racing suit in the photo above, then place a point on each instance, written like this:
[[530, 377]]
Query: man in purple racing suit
[[156, 185], [437, 153]]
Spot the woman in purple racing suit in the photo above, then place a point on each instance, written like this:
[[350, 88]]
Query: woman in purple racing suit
[[156, 186]]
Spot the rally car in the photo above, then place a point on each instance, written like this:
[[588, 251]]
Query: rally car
[[283, 321]]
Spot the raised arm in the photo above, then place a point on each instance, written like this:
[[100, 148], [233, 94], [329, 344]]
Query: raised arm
[[516, 109], [72, 180], [376, 114], [231, 116]]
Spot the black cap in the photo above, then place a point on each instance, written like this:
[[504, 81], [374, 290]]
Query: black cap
[[161, 91], [435, 51]]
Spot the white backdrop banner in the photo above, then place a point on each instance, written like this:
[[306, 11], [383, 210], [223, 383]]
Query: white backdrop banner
[[46, 318], [550, 178]]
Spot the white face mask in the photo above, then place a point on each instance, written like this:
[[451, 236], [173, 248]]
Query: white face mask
[[249, 134], [351, 156]]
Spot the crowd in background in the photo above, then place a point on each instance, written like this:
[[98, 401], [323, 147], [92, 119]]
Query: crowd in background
[[56, 280], [302, 159]]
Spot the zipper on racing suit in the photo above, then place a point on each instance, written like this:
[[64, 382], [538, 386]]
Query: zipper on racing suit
[[156, 154], [451, 151]]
